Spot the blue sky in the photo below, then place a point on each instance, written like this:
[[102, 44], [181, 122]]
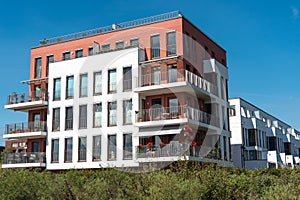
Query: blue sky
[[262, 39]]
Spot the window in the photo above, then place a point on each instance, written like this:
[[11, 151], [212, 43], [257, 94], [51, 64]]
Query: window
[[55, 150], [173, 107], [82, 149], [172, 73], [70, 87], [56, 119], [50, 59], [112, 147], [127, 111], [156, 75], [186, 44], [38, 67], [127, 146], [79, 53], [252, 155], [83, 116], [83, 85], [252, 137], [97, 83], [105, 47], [97, 115], [112, 80], [171, 43], [69, 118], [127, 78], [134, 42], [66, 55], [194, 49], [56, 89], [37, 92], [36, 121], [68, 149], [155, 46], [232, 111], [120, 45], [96, 147], [91, 51], [112, 113], [35, 147]]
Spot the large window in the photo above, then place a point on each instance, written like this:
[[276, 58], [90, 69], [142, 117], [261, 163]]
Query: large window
[[55, 150], [79, 53], [82, 149], [112, 147], [56, 119], [127, 111], [50, 59], [69, 118], [97, 148], [83, 116], [112, 113], [127, 78], [97, 115], [70, 87], [38, 67], [127, 146], [134, 42], [56, 89], [66, 55], [112, 80], [171, 43], [155, 46], [68, 149], [252, 137], [83, 91], [97, 83], [172, 73]]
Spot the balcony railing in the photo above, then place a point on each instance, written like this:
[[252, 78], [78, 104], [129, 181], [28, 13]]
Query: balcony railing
[[178, 76], [176, 149], [177, 112], [27, 157], [26, 127], [15, 98]]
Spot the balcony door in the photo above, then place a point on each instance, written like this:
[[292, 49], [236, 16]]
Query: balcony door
[[156, 75], [36, 121], [173, 107], [35, 147], [156, 109]]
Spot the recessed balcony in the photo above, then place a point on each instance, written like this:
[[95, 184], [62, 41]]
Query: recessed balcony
[[26, 159], [174, 115], [176, 81], [25, 102], [35, 129]]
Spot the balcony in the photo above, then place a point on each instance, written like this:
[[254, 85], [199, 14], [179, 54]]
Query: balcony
[[176, 149], [27, 159], [25, 102], [157, 83], [25, 130], [175, 114]]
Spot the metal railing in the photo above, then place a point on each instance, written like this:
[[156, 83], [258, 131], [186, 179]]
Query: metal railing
[[107, 29], [177, 112], [176, 149], [178, 76], [15, 98], [27, 157], [25, 127]]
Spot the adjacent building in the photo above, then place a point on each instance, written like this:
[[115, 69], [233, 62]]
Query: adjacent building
[[260, 140], [149, 90]]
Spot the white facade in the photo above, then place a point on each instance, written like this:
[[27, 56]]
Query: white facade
[[260, 140], [101, 62]]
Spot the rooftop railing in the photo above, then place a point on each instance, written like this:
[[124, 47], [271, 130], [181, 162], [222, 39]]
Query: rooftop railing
[[113, 27]]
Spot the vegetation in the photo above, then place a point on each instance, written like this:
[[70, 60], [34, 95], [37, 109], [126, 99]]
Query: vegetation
[[184, 181]]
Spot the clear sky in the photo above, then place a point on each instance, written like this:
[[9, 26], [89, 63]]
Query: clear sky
[[262, 40]]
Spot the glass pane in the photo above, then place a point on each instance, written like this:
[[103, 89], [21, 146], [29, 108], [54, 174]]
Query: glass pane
[[127, 111], [173, 105], [57, 88], [155, 46], [156, 75], [98, 83], [112, 113], [70, 86], [112, 81], [171, 43], [97, 115], [172, 73], [127, 146], [82, 148], [83, 116], [112, 147], [97, 147], [83, 85]]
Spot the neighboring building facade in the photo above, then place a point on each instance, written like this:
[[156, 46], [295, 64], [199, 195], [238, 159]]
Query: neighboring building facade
[[260, 140], [149, 90]]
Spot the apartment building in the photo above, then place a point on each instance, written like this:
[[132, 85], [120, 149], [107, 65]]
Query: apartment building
[[149, 90], [260, 140]]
